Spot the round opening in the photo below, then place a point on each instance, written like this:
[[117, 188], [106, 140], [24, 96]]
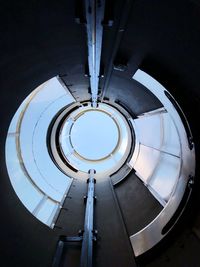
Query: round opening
[[94, 135], [89, 138]]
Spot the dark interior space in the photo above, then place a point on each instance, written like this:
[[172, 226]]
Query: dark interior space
[[40, 40]]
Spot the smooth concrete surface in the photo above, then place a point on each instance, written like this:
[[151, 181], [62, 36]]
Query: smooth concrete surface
[[138, 205], [71, 221], [132, 95], [113, 247], [183, 252]]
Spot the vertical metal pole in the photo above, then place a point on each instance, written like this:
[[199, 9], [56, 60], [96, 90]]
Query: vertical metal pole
[[88, 234], [58, 255], [94, 17]]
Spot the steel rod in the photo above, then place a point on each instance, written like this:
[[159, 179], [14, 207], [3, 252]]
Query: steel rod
[[88, 234]]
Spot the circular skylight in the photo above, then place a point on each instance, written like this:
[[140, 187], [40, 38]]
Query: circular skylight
[[86, 138], [94, 135]]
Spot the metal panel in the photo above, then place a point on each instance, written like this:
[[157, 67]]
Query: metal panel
[[48, 172], [33, 175], [152, 233], [157, 130], [146, 162], [165, 177], [47, 211], [33, 127], [150, 130], [29, 195], [171, 141]]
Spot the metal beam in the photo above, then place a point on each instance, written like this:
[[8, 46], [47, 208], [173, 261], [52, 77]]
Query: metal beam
[[94, 17], [120, 29], [88, 234], [58, 254]]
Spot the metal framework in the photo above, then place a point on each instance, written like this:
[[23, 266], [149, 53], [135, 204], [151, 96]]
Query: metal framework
[[94, 17], [88, 235]]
